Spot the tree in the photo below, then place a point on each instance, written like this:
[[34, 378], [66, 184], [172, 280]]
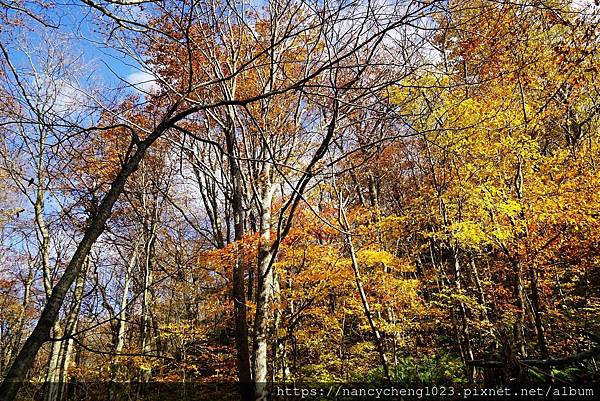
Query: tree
[[402, 192]]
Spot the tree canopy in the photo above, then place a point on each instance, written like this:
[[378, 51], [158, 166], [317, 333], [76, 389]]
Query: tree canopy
[[265, 193]]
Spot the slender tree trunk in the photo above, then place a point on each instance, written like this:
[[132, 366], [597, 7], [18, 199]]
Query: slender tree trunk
[[466, 338], [239, 291], [119, 335], [363, 296], [278, 352], [146, 327], [264, 289], [518, 271], [373, 191], [70, 326], [537, 315], [480, 292], [122, 315], [367, 309], [395, 337], [519, 327], [53, 370]]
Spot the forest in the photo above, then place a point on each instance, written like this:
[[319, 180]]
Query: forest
[[226, 199]]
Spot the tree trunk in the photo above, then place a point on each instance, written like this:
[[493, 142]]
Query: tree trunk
[[537, 315], [52, 371], [466, 339], [146, 324], [264, 289], [519, 327], [373, 190], [70, 326], [239, 292], [363, 296], [52, 374], [278, 352], [367, 309], [119, 335], [480, 292]]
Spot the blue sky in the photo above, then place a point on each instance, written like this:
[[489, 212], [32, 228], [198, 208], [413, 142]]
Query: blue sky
[[78, 27]]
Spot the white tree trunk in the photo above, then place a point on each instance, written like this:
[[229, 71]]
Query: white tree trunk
[[265, 288]]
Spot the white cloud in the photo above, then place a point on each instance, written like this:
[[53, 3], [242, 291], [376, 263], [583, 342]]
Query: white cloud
[[143, 81]]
